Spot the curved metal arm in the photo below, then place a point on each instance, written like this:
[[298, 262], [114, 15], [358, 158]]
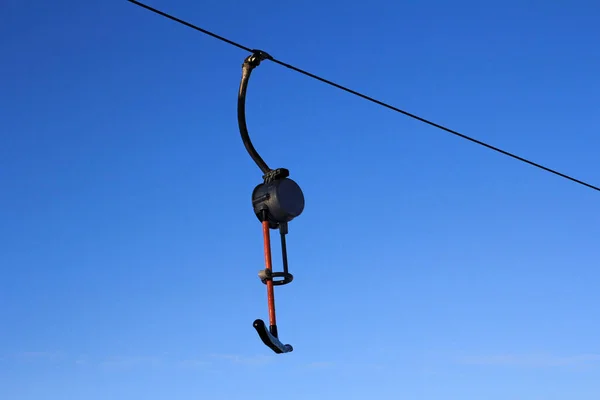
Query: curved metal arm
[[250, 63]]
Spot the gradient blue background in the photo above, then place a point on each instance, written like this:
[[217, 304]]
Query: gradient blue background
[[426, 267]]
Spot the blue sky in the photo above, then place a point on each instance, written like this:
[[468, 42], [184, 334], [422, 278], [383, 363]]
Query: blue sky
[[425, 267]]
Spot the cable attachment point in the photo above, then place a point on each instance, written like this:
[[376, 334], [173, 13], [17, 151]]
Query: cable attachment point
[[257, 56]]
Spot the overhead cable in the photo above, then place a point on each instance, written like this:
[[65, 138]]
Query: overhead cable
[[366, 97]]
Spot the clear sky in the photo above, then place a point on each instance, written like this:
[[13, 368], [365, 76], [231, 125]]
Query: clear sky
[[426, 267]]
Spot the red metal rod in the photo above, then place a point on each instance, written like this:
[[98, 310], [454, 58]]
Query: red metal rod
[[269, 266]]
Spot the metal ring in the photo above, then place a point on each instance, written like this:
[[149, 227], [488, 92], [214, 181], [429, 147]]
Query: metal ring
[[287, 278]]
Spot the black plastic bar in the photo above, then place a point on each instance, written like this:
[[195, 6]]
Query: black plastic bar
[[270, 339]]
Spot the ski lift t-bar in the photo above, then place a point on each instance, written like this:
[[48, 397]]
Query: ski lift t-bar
[[276, 201]]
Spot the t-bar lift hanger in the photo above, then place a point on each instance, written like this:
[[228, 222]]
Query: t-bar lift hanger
[[276, 201]]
